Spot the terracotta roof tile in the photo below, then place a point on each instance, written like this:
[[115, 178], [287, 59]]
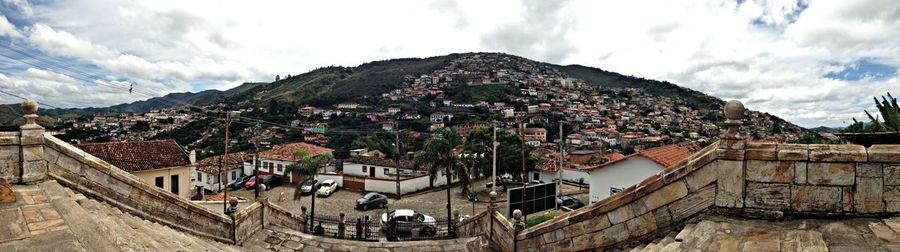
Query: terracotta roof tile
[[211, 164], [139, 155], [666, 156], [370, 160], [285, 152]]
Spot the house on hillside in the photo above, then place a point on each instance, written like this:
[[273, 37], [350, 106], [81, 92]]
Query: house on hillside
[[275, 161], [612, 176], [209, 170], [162, 163]]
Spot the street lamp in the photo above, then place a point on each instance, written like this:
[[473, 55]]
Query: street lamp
[[229, 117]]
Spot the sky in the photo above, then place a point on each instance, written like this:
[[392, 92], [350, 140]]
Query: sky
[[810, 62]]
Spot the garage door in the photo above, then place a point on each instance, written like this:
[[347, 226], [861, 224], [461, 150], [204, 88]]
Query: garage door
[[354, 183]]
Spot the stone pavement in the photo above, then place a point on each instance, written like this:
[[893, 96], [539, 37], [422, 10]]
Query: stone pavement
[[717, 233], [49, 217], [275, 238]]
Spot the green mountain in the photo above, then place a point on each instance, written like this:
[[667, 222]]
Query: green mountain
[[366, 82]]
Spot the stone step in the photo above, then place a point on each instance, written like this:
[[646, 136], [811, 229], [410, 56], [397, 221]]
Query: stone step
[[684, 233], [638, 248]]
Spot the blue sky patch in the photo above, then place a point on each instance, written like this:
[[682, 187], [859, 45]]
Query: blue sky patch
[[862, 69]]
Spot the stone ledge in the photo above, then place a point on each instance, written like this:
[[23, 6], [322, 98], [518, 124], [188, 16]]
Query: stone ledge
[[793, 152], [837, 153], [886, 153], [761, 151]]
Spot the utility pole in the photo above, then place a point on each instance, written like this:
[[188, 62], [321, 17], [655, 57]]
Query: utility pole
[[397, 155], [562, 151], [256, 159], [522, 147], [224, 172], [494, 167]]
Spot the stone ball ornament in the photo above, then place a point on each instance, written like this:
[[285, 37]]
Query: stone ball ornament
[[734, 110], [493, 195], [30, 107], [517, 214]]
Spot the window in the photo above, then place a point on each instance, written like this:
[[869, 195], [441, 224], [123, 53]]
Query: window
[[265, 165], [174, 182], [536, 177], [199, 177], [613, 190], [280, 168], [386, 171], [365, 168], [233, 175], [159, 182]]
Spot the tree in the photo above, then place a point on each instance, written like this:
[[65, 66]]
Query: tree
[[509, 155], [437, 154], [307, 167]]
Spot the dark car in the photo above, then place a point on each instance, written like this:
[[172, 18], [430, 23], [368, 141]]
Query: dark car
[[371, 200], [268, 180], [569, 202], [239, 183]]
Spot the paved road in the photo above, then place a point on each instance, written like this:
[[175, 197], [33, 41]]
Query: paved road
[[433, 203]]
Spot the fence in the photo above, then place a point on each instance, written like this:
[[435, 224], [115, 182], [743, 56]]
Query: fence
[[371, 229], [354, 228]]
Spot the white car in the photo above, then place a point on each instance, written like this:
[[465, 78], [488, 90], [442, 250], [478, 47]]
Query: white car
[[406, 219], [327, 188]]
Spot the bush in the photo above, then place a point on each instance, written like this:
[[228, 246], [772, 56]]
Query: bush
[[538, 219]]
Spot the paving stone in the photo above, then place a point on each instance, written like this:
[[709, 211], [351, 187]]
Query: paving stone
[[884, 232], [7, 195], [804, 240]]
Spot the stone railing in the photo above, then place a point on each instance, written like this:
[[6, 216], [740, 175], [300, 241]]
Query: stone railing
[[248, 221], [732, 177], [89, 175]]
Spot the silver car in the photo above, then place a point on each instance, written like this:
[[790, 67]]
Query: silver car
[[407, 219]]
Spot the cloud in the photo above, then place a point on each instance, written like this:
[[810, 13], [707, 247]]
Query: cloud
[[22, 5], [810, 62], [541, 32], [8, 29]]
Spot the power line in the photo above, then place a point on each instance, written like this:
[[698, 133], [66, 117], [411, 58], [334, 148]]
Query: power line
[[23, 98]]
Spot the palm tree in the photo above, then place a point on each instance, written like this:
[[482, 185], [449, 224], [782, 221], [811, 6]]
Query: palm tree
[[437, 154], [307, 167]]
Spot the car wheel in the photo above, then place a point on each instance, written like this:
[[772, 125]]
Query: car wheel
[[365, 207], [381, 205]]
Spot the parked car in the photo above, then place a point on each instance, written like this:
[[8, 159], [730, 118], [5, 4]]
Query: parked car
[[327, 188], [268, 180], [371, 200], [406, 219], [569, 202], [237, 184], [307, 187]]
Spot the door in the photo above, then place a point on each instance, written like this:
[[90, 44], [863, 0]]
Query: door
[[536, 177], [174, 181], [372, 172]]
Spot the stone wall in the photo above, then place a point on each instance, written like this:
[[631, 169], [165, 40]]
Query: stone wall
[[655, 205], [10, 153], [819, 180], [249, 221], [89, 175], [480, 225], [277, 215]]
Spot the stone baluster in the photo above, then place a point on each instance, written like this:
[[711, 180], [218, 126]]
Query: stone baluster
[[732, 145], [31, 140]]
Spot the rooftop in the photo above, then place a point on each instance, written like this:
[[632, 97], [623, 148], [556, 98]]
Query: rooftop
[[212, 164], [667, 156], [139, 155], [285, 152]]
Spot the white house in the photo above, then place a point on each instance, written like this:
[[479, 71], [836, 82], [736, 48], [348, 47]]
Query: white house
[[208, 170], [440, 116], [276, 160], [614, 175]]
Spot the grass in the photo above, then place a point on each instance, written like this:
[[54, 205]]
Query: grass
[[538, 219]]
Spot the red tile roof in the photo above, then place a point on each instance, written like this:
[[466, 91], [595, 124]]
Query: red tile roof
[[212, 164], [139, 155], [386, 162], [666, 156], [285, 152]]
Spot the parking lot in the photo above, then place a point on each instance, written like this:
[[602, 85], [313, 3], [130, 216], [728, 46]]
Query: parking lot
[[432, 202]]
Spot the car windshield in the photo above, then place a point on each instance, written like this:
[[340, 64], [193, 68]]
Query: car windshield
[[369, 196], [308, 183], [326, 184], [420, 217]]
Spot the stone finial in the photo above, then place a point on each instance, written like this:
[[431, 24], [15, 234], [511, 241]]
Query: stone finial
[[233, 201], [493, 195], [734, 110], [30, 107], [734, 114], [517, 215]]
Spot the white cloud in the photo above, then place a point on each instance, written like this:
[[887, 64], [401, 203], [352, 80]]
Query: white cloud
[[771, 54], [22, 5], [8, 29]]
